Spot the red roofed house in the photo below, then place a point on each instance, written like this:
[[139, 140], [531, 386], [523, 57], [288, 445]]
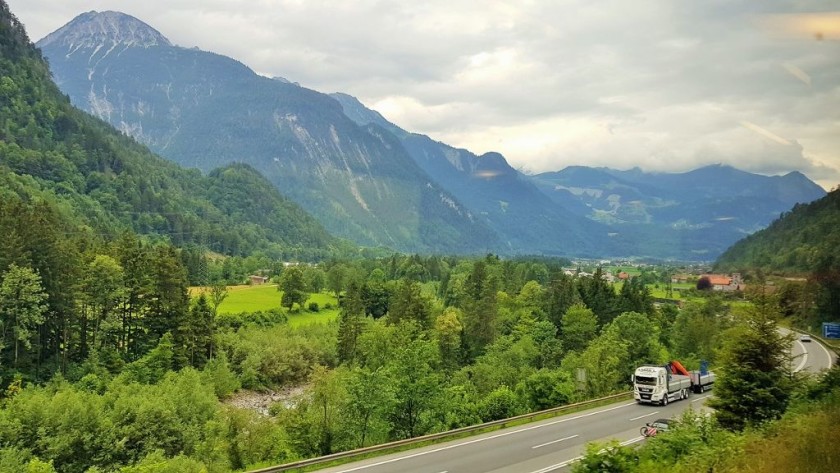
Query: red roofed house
[[623, 276], [722, 282]]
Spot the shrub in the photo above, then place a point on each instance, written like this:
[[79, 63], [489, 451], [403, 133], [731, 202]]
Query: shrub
[[313, 307]]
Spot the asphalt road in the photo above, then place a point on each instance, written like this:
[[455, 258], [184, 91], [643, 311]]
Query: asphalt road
[[811, 357], [554, 444]]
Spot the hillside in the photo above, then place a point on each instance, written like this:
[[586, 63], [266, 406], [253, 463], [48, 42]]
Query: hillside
[[104, 183], [205, 110], [700, 212], [804, 240]]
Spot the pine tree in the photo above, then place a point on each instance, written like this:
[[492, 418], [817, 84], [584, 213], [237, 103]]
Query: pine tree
[[754, 379]]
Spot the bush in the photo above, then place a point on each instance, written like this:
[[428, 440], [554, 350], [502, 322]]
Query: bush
[[313, 307], [501, 403]]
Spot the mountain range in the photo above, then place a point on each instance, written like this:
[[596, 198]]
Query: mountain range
[[370, 181], [82, 179]]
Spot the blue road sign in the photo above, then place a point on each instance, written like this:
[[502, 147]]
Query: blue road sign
[[831, 330]]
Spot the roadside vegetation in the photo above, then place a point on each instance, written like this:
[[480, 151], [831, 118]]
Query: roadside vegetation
[[765, 417]]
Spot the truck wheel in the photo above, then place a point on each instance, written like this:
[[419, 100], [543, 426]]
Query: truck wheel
[[665, 400], [702, 388]]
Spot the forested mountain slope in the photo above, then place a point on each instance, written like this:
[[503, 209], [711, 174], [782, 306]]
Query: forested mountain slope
[[204, 110], [804, 240], [107, 183]]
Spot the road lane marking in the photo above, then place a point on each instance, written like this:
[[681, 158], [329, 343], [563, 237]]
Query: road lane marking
[[646, 415], [558, 466], [804, 357], [701, 398], [503, 434], [555, 441], [628, 442], [575, 459]]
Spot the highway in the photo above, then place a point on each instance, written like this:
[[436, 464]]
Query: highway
[[553, 444], [810, 357]]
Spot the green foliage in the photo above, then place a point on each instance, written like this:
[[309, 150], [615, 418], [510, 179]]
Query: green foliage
[[603, 364], [578, 327], [801, 240], [500, 403], [22, 307], [609, 457], [217, 373], [754, 381], [546, 389], [293, 287]]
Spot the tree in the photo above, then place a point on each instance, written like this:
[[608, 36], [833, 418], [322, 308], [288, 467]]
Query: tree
[[602, 365], [599, 296], [336, 278], [408, 303], [704, 284], [480, 308], [641, 337], [218, 294], [103, 289], [448, 332], [293, 287], [22, 306], [369, 399], [351, 323], [754, 381], [578, 327], [198, 332], [315, 278], [561, 295]]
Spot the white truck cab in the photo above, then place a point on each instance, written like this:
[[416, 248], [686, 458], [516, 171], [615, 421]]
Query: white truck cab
[[656, 385]]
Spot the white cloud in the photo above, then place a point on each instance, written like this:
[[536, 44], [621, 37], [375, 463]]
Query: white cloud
[[662, 85]]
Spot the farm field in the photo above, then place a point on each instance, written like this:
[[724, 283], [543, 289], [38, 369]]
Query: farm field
[[266, 297]]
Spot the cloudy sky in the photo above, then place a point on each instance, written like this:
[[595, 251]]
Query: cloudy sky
[[664, 85]]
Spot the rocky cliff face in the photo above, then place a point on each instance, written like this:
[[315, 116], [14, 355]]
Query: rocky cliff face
[[204, 110]]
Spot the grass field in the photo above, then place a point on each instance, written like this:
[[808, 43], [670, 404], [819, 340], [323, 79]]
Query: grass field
[[267, 297]]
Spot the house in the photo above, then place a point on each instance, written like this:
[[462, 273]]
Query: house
[[257, 280], [722, 282], [623, 276]]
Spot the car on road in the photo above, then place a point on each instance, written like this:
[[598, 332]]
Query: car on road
[[652, 428], [804, 338]]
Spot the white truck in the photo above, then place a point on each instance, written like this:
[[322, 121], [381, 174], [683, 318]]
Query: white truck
[[661, 384]]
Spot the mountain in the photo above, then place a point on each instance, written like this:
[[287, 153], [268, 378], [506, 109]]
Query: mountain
[[60, 160], [528, 220], [803, 240], [706, 209], [204, 110]]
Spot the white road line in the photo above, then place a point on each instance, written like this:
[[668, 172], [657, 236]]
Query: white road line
[[503, 434], [558, 466], [634, 440], [572, 460], [646, 415], [555, 441], [830, 358], [700, 398], [804, 358]]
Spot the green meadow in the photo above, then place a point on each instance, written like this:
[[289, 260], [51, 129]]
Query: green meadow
[[266, 297]]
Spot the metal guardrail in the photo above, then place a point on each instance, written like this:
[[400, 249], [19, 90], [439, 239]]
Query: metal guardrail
[[431, 437]]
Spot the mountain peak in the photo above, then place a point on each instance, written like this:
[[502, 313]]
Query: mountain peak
[[105, 29]]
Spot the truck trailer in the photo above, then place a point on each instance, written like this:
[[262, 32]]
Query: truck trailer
[[661, 384]]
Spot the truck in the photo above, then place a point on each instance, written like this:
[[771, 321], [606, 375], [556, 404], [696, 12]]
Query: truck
[[661, 384]]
